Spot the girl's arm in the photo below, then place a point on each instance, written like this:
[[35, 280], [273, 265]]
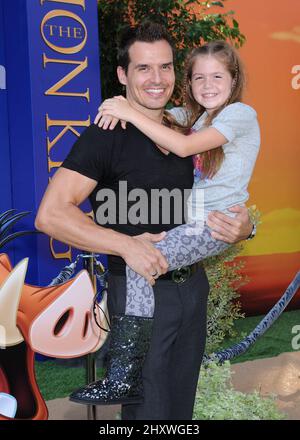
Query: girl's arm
[[179, 144]]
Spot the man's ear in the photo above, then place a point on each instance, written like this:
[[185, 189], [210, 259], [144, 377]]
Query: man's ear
[[122, 75]]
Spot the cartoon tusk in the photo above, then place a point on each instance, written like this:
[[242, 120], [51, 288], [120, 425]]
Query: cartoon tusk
[[10, 293], [8, 405]]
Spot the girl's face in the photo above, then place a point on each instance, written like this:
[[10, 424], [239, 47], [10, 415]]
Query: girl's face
[[211, 82]]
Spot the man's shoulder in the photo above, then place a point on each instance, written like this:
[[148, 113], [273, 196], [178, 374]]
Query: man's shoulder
[[97, 140], [92, 152], [93, 138], [97, 133]]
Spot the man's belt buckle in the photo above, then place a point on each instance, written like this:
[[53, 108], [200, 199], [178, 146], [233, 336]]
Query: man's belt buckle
[[181, 275]]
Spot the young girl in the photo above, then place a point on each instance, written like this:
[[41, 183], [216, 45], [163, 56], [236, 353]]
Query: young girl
[[225, 140]]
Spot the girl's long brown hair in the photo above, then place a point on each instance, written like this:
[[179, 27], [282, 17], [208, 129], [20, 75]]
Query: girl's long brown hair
[[225, 53]]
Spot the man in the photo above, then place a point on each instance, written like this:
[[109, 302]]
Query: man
[[101, 159]]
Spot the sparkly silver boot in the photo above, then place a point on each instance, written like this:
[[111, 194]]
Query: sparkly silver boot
[[129, 344]]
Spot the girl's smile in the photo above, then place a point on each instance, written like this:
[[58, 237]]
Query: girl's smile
[[211, 82]]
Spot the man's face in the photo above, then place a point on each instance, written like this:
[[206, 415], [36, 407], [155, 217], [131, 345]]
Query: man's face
[[150, 77]]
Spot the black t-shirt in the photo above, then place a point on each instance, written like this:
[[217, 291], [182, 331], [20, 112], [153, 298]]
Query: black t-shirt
[[130, 171]]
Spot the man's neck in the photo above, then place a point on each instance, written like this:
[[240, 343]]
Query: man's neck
[[155, 114]]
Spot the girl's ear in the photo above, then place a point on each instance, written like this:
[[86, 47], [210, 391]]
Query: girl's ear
[[122, 75]]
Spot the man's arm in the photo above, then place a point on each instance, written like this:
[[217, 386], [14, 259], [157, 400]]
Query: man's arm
[[228, 229], [60, 217]]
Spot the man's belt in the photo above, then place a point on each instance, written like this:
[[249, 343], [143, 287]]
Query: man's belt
[[182, 274], [177, 275]]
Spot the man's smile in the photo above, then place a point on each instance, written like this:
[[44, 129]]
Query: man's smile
[[155, 91]]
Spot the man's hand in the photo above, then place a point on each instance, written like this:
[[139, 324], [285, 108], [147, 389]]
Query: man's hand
[[144, 258], [229, 229]]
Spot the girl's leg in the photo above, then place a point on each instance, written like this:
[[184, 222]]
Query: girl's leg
[[182, 246]]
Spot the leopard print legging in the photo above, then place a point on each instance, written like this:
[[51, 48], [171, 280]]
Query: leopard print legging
[[182, 246]]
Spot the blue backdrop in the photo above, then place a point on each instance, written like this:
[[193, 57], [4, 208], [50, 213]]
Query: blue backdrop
[[5, 183], [50, 53]]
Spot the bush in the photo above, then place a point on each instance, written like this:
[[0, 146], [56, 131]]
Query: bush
[[217, 400], [224, 275], [223, 307]]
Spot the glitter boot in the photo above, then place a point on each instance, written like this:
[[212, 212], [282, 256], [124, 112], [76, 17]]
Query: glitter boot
[[129, 343]]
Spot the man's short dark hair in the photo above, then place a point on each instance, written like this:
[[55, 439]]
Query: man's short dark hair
[[147, 32]]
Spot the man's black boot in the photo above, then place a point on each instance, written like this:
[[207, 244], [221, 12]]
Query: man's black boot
[[129, 344]]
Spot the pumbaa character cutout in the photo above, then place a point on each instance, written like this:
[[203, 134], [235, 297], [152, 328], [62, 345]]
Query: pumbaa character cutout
[[55, 321]]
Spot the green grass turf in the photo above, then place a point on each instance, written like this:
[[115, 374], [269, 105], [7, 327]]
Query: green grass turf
[[276, 340], [59, 381]]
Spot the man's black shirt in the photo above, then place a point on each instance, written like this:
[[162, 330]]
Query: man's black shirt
[[130, 159]]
